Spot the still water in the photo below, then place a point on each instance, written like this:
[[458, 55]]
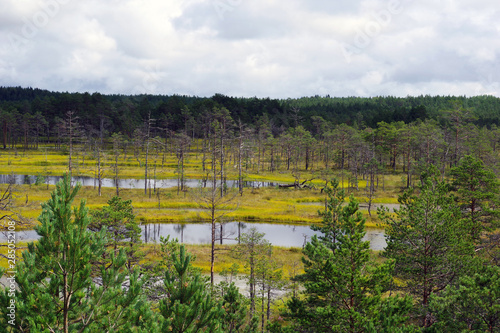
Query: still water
[[126, 183], [200, 233], [276, 234]]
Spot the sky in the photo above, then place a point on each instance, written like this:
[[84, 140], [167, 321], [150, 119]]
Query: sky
[[245, 48]]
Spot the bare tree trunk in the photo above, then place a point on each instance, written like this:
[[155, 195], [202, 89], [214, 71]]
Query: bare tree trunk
[[99, 171], [116, 177], [70, 124], [240, 148], [148, 133], [212, 252], [268, 314], [5, 134], [222, 162], [214, 190], [262, 317], [221, 231], [252, 287], [240, 178]]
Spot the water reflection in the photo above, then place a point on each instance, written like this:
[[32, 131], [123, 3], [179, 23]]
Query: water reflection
[[125, 183], [200, 233], [276, 234]]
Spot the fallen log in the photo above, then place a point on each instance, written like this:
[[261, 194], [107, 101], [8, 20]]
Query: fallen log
[[289, 185]]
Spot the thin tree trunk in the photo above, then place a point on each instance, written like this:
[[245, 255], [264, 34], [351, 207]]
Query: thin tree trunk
[[262, 316]]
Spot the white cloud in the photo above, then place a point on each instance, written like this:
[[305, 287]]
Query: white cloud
[[260, 48]]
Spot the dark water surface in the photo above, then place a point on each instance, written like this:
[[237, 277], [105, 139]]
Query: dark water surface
[[126, 183], [197, 233], [200, 233]]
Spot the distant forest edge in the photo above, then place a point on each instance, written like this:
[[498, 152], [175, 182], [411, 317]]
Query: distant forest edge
[[125, 113]]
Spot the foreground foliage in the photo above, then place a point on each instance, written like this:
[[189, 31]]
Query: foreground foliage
[[472, 304], [56, 290], [64, 286], [343, 288], [477, 190], [118, 222], [435, 251], [188, 306], [428, 240]]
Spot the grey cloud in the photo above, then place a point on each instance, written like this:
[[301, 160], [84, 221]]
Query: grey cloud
[[330, 7], [257, 48], [234, 22]]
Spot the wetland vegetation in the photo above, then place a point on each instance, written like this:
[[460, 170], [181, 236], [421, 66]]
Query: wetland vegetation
[[149, 161]]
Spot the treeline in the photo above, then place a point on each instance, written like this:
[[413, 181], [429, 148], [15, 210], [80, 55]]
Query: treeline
[[31, 108], [353, 135]]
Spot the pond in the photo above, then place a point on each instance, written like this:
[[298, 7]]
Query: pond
[[125, 183], [277, 234], [199, 233]]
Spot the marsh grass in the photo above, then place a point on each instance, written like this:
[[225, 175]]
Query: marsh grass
[[285, 257], [270, 204], [20, 247], [263, 204]]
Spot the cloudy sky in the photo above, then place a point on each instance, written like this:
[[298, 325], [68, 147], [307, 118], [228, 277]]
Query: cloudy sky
[[263, 48]]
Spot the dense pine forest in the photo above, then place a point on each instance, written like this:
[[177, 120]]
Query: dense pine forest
[[434, 158], [39, 111], [273, 135]]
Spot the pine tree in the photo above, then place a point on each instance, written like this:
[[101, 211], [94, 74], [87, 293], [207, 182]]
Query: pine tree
[[473, 304], [235, 315], [477, 191], [330, 226], [343, 288], [56, 290], [169, 250], [252, 248], [122, 231], [426, 239], [188, 306], [269, 276], [234, 318]]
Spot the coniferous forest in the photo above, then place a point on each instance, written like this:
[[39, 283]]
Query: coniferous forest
[[423, 169]]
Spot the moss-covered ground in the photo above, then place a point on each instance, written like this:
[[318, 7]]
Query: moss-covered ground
[[264, 204]]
